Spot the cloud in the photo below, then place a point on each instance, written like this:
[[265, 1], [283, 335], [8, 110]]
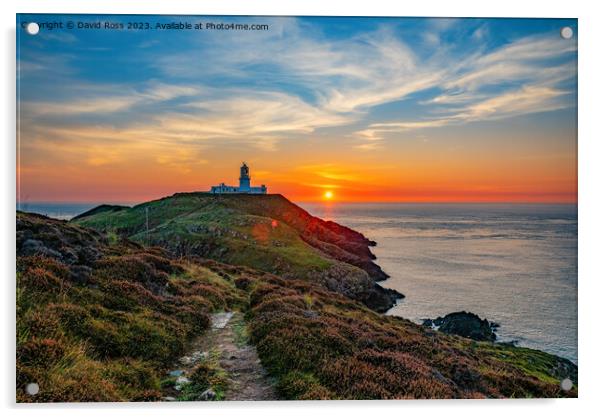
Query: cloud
[[516, 79], [97, 105], [58, 36], [203, 119], [104, 99], [353, 75], [251, 113], [526, 100], [344, 75], [260, 88]]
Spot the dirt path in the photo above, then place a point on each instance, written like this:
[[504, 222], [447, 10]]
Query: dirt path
[[226, 343]]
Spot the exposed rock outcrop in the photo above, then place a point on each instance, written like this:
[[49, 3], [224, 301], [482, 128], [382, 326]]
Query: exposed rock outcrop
[[464, 324]]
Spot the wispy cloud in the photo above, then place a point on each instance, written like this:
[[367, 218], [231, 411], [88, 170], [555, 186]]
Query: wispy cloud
[[525, 78], [265, 87], [104, 99]]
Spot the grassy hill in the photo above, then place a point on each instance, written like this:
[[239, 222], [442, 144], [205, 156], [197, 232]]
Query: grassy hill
[[264, 232], [100, 318]]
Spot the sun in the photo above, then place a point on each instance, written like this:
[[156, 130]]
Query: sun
[[328, 195]]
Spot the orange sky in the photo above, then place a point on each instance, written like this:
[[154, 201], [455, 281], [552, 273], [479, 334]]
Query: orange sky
[[411, 170], [480, 110]]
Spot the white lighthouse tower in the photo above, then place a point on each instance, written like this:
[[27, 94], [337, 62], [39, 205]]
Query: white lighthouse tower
[[245, 179]]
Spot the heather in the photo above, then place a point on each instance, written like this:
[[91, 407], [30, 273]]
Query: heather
[[103, 318], [323, 346], [100, 321]]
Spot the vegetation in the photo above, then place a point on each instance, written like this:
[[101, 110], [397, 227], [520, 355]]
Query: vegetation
[[105, 328], [101, 318], [335, 348], [206, 375], [263, 232], [194, 223]]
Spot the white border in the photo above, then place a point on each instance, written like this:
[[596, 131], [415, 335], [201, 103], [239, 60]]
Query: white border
[[590, 210]]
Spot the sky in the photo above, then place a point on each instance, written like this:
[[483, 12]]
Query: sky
[[349, 109]]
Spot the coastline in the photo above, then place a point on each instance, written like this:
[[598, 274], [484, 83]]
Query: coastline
[[103, 278], [490, 259], [390, 281], [502, 341]]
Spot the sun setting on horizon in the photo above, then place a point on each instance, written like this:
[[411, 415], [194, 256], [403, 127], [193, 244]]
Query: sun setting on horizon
[[334, 121]]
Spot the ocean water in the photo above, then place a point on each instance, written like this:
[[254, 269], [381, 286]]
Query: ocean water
[[62, 211], [513, 264]]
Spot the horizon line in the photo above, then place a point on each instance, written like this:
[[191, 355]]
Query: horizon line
[[331, 202]]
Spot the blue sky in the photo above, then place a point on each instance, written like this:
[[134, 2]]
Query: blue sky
[[364, 88]]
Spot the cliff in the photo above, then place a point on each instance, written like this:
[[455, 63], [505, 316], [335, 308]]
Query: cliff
[[265, 232]]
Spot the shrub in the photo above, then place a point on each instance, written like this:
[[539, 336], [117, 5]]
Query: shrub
[[41, 324], [82, 381], [212, 294], [150, 395], [40, 352], [73, 319], [51, 265], [204, 376], [152, 340], [38, 279], [133, 378], [132, 267], [321, 345], [243, 283], [298, 385], [128, 296]]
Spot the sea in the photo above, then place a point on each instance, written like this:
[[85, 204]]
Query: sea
[[513, 264], [61, 211]]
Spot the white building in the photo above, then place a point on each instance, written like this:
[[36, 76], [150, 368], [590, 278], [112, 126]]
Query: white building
[[244, 185]]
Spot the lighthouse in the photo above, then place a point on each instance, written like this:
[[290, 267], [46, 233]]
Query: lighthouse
[[244, 186], [245, 178]]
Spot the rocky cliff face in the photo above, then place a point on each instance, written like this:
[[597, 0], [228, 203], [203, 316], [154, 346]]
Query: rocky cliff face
[[266, 232]]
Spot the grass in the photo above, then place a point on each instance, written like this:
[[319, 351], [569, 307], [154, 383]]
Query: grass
[[267, 233], [241, 334], [342, 350], [105, 318], [109, 336], [112, 237], [208, 374], [252, 240]]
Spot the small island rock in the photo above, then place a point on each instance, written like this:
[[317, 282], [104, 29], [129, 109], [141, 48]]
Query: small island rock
[[464, 324]]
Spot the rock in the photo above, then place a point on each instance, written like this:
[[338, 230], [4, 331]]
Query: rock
[[36, 247], [464, 324], [180, 382], [177, 372], [381, 299], [80, 274], [193, 358], [88, 255], [219, 320], [208, 395], [169, 399], [310, 314]]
